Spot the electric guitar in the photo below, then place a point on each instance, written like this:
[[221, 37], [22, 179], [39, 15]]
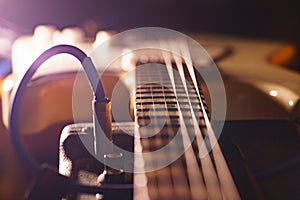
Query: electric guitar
[[169, 151], [169, 112]]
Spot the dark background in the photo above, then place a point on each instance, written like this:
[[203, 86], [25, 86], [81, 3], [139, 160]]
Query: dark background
[[256, 18]]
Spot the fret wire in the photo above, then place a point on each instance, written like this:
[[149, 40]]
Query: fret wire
[[154, 122], [151, 79], [161, 182], [210, 174]]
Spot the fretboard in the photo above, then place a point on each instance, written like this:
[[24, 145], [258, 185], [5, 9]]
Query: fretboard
[[156, 102], [172, 128]]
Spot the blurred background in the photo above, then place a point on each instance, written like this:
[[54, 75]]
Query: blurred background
[[257, 18], [265, 19]]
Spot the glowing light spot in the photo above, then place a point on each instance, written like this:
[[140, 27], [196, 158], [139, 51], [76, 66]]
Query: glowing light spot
[[8, 85], [273, 93], [101, 37], [72, 35], [291, 103], [43, 34], [129, 80], [99, 196], [127, 60], [57, 38]]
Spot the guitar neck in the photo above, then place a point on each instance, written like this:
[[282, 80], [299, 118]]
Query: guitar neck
[[173, 133]]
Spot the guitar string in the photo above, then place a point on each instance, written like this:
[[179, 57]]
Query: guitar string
[[226, 181], [146, 73], [192, 175], [168, 192], [140, 180], [180, 179], [180, 183], [188, 154], [197, 186], [210, 177]]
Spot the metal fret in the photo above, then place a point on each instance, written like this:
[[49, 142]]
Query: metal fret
[[158, 104]]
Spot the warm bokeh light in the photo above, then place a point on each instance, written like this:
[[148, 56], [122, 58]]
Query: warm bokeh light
[[43, 35], [73, 35], [26, 49], [273, 93], [101, 37], [285, 96], [7, 85], [127, 60]]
